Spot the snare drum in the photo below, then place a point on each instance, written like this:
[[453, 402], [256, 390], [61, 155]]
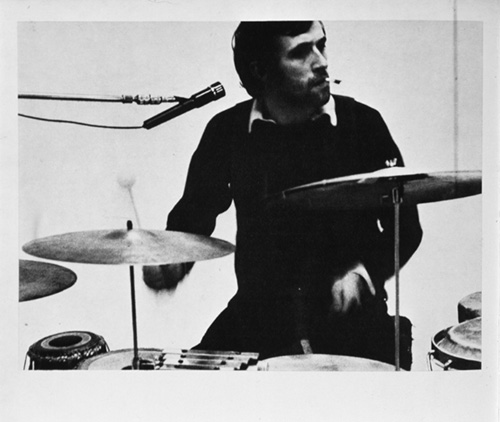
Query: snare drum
[[458, 347], [469, 307], [65, 350], [320, 362], [122, 360]]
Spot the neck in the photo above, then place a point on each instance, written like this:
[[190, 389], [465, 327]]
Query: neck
[[288, 114]]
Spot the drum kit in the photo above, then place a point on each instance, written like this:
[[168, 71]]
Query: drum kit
[[392, 187], [459, 347]]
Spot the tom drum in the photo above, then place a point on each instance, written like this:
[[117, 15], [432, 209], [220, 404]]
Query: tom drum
[[458, 347], [64, 350], [469, 307]]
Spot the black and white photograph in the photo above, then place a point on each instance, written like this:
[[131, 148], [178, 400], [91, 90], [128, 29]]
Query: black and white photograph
[[265, 213]]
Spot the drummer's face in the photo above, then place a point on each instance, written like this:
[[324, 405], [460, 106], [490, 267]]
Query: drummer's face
[[300, 75]]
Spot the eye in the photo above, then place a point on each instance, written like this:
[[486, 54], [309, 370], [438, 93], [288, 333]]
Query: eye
[[321, 45], [300, 52]]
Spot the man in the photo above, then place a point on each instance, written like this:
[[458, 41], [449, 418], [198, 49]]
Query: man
[[307, 281]]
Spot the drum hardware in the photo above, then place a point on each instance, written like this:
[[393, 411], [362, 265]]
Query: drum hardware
[[394, 186], [300, 320], [64, 350], [40, 279], [123, 360], [167, 359], [457, 347], [206, 360], [130, 246], [141, 99], [158, 359], [469, 307]]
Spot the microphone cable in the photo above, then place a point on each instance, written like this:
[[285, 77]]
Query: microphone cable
[[27, 116]]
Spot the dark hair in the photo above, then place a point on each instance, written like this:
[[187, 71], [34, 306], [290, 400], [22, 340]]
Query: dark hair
[[256, 42]]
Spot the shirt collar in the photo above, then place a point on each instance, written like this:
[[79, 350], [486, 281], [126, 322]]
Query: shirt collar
[[256, 113]]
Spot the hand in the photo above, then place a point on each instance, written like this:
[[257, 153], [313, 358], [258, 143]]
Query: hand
[[347, 293], [164, 277]]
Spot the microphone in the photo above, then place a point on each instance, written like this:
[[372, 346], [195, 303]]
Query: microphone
[[212, 93]]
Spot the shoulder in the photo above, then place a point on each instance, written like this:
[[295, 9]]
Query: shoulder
[[345, 104], [227, 126], [235, 116]]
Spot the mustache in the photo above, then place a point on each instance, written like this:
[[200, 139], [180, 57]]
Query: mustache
[[323, 76], [320, 78]]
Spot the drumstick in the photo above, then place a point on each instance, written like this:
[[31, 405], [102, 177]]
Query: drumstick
[[127, 181], [301, 325]]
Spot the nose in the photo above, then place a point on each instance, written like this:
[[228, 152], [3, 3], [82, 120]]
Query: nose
[[320, 59]]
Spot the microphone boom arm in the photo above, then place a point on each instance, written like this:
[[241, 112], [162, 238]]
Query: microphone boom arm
[[125, 99]]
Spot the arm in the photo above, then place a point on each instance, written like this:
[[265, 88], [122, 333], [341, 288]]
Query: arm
[[377, 248], [375, 241], [206, 195], [351, 290]]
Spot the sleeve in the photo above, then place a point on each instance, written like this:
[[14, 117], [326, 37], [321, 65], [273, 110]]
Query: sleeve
[[360, 269], [377, 249], [207, 190]]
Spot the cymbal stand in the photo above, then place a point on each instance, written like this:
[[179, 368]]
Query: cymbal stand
[[300, 320], [397, 199], [135, 360]]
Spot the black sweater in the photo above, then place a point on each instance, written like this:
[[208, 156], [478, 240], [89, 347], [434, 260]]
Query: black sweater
[[231, 164], [276, 252]]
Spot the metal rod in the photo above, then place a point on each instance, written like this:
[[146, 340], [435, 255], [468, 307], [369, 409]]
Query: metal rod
[[72, 97], [135, 360], [125, 99], [300, 314], [396, 197]]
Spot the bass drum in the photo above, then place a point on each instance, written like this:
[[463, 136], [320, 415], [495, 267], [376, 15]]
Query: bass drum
[[458, 347], [122, 360], [65, 350], [320, 362]]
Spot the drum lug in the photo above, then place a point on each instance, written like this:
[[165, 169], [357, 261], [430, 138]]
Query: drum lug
[[430, 356], [447, 364]]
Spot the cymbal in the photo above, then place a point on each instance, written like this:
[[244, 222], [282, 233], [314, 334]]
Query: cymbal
[[134, 246], [374, 189], [40, 279]]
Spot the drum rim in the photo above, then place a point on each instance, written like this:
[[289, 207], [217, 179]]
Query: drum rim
[[473, 295], [85, 364], [441, 335], [40, 346], [85, 338], [325, 355], [330, 356]]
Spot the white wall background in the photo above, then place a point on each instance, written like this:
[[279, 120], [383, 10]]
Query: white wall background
[[68, 181]]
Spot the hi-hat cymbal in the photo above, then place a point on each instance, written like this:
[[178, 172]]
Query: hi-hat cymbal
[[40, 279], [134, 246], [374, 189]]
